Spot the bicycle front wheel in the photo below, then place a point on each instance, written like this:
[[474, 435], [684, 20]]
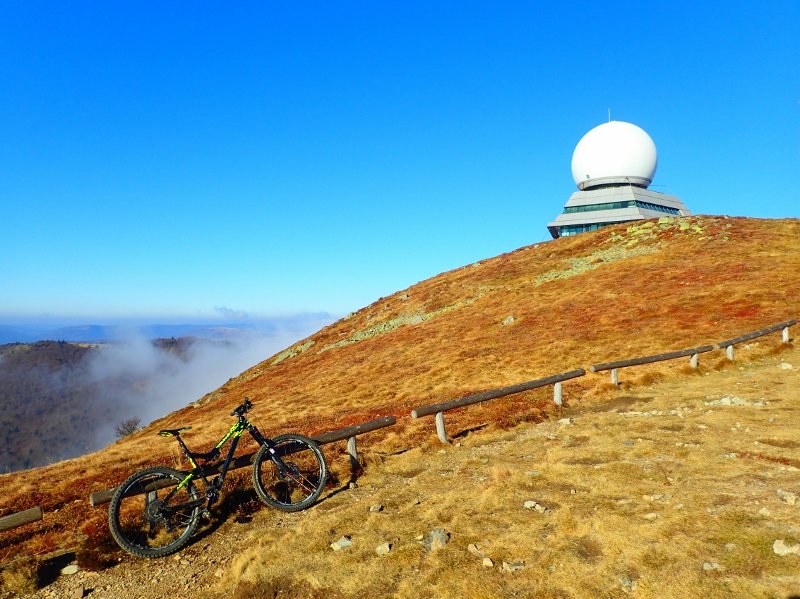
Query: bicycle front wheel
[[292, 479], [150, 516]]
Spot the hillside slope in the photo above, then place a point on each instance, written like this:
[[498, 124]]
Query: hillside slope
[[618, 292]]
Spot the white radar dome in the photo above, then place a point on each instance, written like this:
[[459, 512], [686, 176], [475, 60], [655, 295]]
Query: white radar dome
[[614, 153]]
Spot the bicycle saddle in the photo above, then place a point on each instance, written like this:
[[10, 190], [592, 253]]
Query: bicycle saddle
[[173, 432]]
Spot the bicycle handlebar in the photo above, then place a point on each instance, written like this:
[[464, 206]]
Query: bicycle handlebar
[[243, 408]]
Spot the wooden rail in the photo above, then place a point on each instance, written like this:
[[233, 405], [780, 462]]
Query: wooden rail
[[20, 518], [349, 433], [782, 326], [440, 408], [615, 366]]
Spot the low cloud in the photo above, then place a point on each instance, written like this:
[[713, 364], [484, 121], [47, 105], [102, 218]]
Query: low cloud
[[231, 313], [143, 381]]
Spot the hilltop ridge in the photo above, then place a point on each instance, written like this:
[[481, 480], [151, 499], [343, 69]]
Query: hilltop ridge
[[622, 291]]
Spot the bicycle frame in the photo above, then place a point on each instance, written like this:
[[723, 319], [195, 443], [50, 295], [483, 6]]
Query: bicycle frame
[[201, 471]]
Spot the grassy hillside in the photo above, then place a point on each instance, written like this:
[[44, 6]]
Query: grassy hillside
[[618, 292]]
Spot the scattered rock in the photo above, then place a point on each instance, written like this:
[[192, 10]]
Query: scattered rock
[[376, 508], [627, 583], [342, 543], [534, 505], [513, 566], [436, 539], [628, 443], [730, 546], [650, 516], [79, 592], [731, 400], [764, 512], [534, 473], [219, 573], [508, 320], [787, 497], [487, 563], [711, 566], [565, 421], [474, 550], [383, 549], [785, 366], [70, 570], [781, 548]]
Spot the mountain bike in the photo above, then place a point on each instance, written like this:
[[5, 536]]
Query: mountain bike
[[156, 510]]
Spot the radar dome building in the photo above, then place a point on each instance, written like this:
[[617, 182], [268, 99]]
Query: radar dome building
[[612, 165]]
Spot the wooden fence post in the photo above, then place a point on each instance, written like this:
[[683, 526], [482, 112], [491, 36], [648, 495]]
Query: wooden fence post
[[440, 428], [352, 451]]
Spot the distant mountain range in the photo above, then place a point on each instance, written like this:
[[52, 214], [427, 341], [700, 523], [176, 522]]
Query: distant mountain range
[[93, 333]]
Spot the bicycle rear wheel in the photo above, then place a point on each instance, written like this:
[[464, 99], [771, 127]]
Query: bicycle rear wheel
[[150, 516], [301, 484]]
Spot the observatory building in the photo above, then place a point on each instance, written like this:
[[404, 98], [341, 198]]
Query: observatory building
[[613, 164]]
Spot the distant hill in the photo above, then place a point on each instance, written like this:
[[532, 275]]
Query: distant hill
[[621, 291], [95, 333]]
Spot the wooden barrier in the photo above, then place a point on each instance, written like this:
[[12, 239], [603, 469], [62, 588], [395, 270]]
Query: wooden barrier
[[615, 366], [349, 433], [439, 408], [20, 518], [782, 326]]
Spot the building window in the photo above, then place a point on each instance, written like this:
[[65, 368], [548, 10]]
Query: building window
[[618, 205], [568, 230]]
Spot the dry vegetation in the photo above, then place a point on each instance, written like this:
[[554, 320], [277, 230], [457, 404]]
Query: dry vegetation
[[650, 492], [615, 293]]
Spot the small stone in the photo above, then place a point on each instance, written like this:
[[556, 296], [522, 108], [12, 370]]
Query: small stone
[[508, 320], [534, 473], [730, 546], [474, 550], [627, 582], [711, 566], [781, 548], [785, 366], [651, 516], [786, 497], [513, 566], [353, 485], [436, 539], [383, 549], [219, 572], [70, 570], [565, 421], [487, 563], [342, 543], [419, 537], [764, 512], [78, 593], [534, 505], [185, 562], [376, 508], [628, 443]]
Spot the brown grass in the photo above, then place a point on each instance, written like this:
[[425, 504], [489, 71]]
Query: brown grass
[[600, 478], [615, 293]]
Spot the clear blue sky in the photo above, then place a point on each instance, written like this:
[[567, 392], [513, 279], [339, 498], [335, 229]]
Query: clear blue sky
[[183, 160]]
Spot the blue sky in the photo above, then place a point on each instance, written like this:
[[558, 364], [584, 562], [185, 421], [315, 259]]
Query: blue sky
[[197, 160]]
